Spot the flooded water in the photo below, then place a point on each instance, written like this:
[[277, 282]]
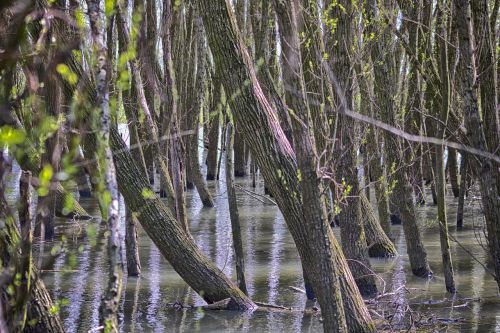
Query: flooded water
[[78, 275]]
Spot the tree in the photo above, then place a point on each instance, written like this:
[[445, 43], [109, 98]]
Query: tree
[[275, 157]]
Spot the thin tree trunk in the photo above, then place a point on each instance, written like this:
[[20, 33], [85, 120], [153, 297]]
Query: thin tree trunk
[[132, 245], [461, 194], [488, 85], [451, 166], [440, 168], [351, 222], [193, 119], [233, 212], [108, 310], [213, 134], [240, 167]]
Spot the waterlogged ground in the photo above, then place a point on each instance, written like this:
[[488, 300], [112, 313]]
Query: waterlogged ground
[[77, 276]]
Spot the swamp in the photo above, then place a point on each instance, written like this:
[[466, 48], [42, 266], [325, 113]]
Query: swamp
[[249, 166]]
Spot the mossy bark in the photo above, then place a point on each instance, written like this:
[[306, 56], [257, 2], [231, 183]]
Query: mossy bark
[[379, 244], [275, 157]]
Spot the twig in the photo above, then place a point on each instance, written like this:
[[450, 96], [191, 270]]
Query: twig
[[256, 195]]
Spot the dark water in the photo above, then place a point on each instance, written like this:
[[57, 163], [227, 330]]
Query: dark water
[[78, 275]]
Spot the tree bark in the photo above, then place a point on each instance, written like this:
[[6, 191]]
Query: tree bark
[[108, 310], [213, 134], [440, 178], [193, 118], [461, 195], [351, 223], [486, 168], [379, 244], [240, 166], [402, 192], [315, 242], [233, 212], [132, 245], [486, 76], [291, 25]]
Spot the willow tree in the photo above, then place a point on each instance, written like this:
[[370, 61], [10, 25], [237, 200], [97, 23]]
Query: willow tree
[[339, 43], [385, 92], [316, 244], [291, 24], [487, 170]]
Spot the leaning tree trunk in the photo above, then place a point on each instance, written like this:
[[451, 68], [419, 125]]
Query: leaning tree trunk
[[291, 25], [172, 241], [379, 244], [193, 118], [275, 157]]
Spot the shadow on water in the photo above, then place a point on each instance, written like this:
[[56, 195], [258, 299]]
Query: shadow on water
[[78, 275]]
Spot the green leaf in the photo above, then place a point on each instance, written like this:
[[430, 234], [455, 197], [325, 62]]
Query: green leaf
[[67, 74], [45, 177], [147, 193], [10, 136], [69, 204], [109, 6]]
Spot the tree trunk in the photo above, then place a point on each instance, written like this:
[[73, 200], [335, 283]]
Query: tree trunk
[[193, 119], [132, 245], [108, 310], [379, 244], [233, 212], [40, 310], [213, 134], [240, 167], [291, 25], [461, 195], [440, 171], [351, 223], [402, 193], [486, 168], [315, 242], [451, 166], [486, 76]]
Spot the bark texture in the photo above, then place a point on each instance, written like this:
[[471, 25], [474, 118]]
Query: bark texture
[[316, 243], [233, 211]]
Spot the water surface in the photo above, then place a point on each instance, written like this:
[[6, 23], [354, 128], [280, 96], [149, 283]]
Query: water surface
[[78, 276]]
